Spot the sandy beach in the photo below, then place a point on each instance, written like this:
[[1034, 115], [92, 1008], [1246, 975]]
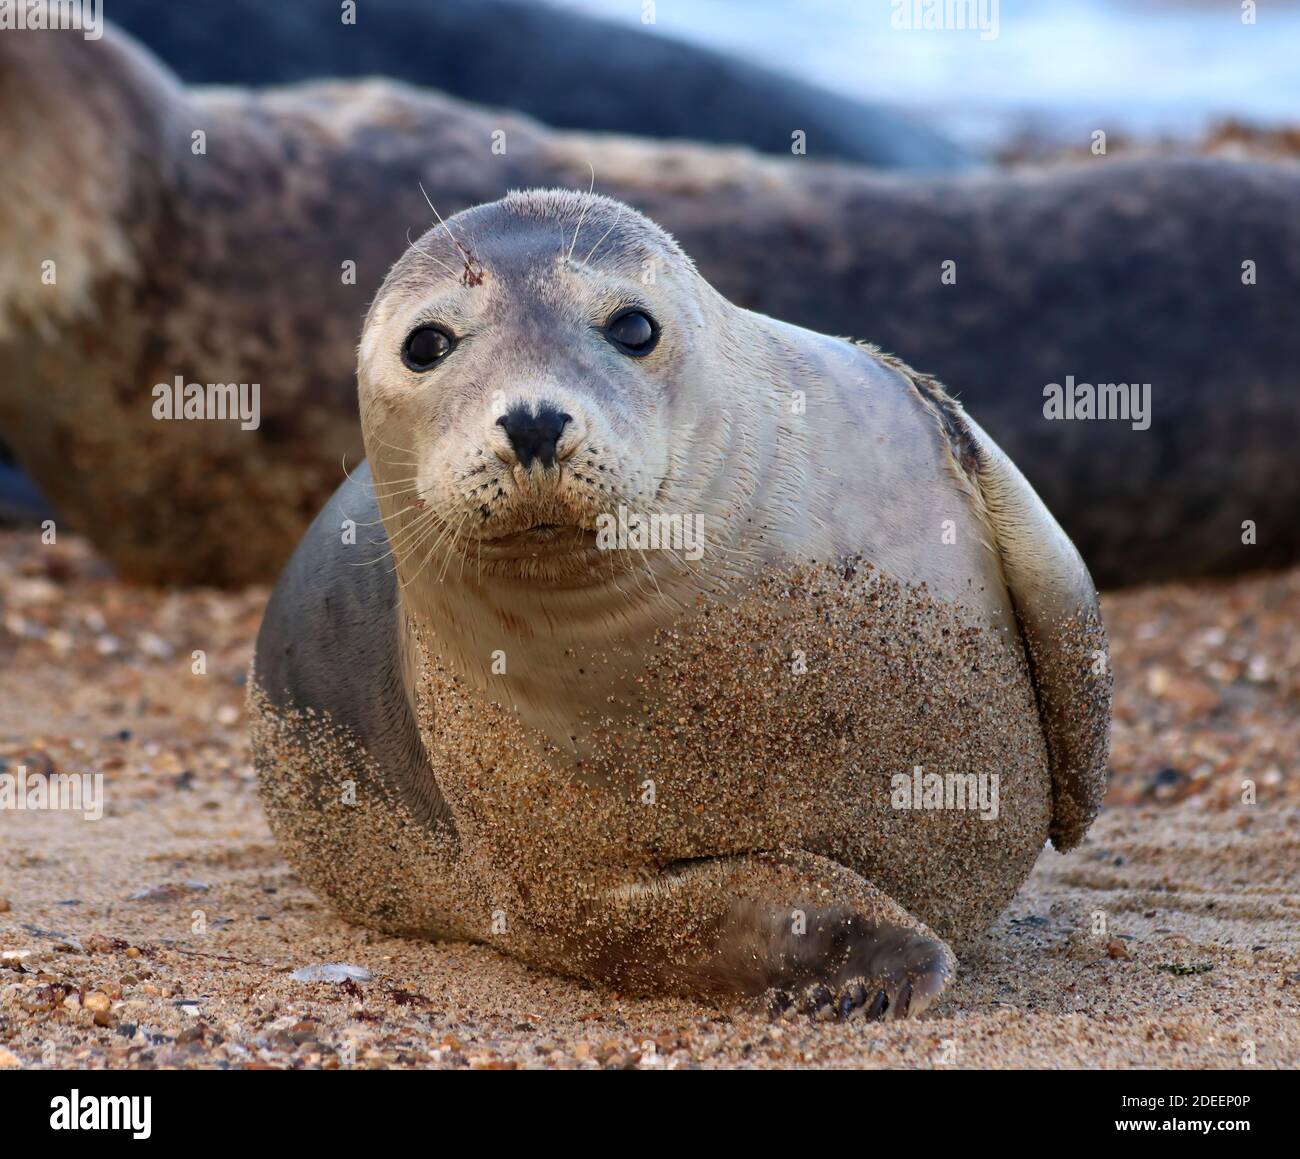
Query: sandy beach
[[166, 933]]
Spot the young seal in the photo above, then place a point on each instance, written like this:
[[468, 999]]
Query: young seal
[[795, 751], [231, 266], [566, 68]]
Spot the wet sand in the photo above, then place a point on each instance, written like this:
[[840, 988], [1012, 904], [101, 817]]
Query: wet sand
[[1170, 938]]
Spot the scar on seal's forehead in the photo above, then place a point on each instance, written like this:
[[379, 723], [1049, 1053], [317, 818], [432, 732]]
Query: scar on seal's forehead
[[526, 227]]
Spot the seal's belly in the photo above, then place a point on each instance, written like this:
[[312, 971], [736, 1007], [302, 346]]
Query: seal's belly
[[846, 715]]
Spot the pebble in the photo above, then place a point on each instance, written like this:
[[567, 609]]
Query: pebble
[[331, 972], [168, 891], [153, 645]]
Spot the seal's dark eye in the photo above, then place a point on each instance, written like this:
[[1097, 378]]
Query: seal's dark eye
[[426, 346], [632, 332]]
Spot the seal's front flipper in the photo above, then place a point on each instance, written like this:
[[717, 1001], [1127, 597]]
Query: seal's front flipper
[[797, 930], [846, 966]]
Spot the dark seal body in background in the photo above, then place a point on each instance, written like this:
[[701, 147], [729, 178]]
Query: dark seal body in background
[[227, 267], [568, 69], [21, 504]]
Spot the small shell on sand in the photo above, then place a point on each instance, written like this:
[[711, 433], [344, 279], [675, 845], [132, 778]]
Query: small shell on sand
[[331, 972]]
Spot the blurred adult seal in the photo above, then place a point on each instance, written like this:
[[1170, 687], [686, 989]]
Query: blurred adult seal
[[686, 650], [566, 68]]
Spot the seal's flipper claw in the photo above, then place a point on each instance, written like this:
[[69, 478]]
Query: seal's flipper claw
[[852, 999], [884, 972], [879, 1004], [902, 1004]]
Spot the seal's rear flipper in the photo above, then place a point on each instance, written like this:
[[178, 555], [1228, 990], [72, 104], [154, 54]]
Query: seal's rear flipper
[[1056, 607]]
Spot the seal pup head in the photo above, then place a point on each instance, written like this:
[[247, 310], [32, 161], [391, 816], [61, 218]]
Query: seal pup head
[[527, 368]]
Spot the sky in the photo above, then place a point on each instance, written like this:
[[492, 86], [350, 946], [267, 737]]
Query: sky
[[1146, 66]]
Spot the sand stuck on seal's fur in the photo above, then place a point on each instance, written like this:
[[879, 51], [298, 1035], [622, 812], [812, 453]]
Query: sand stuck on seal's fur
[[723, 749]]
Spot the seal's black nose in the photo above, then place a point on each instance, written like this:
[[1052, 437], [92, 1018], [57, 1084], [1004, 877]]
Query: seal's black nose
[[534, 436]]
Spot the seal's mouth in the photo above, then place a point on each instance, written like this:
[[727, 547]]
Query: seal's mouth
[[536, 531], [540, 537]]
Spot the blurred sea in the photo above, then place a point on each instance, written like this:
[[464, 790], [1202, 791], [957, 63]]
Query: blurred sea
[[1056, 68]]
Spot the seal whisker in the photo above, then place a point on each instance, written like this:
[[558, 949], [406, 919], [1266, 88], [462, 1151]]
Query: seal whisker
[[413, 532], [464, 556], [410, 507], [455, 240], [603, 236], [424, 253], [401, 450], [413, 535], [398, 493], [394, 545], [583, 215], [348, 474], [428, 255], [351, 478], [446, 563], [376, 487], [401, 462], [442, 534], [447, 536], [437, 261], [398, 490]]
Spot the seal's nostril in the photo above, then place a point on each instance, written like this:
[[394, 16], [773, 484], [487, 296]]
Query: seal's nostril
[[534, 436]]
